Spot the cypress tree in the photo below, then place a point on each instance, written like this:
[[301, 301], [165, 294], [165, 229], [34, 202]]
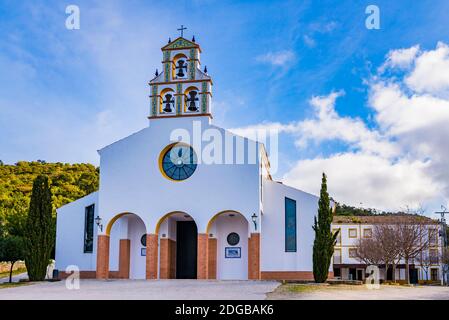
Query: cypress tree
[[39, 230], [323, 245]]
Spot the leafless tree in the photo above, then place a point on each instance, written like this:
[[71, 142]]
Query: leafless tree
[[425, 260], [402, 238], [445, 262], [368, 250], [386, 237], [413, 238]]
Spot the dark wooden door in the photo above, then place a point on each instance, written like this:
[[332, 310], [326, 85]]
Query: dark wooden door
[[390, 273], [413, 273], [359, 274], [352, 274], [186, 247]]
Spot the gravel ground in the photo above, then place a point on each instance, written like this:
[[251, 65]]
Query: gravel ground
[[342, 292], [142, 289], [212, 289]]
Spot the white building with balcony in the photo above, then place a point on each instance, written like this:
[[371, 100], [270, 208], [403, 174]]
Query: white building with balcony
[[346, 266]]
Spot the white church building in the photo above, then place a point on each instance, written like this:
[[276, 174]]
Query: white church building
[[174, 206]]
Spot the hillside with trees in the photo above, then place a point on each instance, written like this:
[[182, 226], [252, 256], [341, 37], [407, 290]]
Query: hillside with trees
[[68, 182]]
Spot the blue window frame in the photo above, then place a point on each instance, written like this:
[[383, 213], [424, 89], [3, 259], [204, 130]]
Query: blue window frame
[[89, 229], [290, 225]]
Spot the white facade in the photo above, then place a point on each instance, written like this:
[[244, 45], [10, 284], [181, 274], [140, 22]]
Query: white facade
[[350, 268], [233, 193], [273, 255], [70, 235]]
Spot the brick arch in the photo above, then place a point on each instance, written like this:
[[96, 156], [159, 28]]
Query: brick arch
[[167, 215], [118, 216], [215, 216], [168, 246], [103, 250], [213, 246]]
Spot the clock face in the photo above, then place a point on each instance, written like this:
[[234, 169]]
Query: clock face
[[179, 162]]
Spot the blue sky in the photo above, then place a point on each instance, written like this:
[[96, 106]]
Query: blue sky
[[66, 93]]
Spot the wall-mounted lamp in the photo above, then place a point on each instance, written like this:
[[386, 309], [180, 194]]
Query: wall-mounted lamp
[[98, 222], [254, 218]]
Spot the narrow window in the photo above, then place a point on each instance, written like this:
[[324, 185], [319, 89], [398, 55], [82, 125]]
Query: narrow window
[[434, 274], [367, 233], [89, 229], [433, 237], [290, 225], [338, 237], [433, 255], [352, 252], [337, 256]]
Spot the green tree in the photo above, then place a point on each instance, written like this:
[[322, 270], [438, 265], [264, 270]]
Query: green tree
[[323, 245], [12, 249], [16, 216], [68, 182], [40, 230]]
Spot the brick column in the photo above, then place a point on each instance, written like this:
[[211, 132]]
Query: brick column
[[164, 263], [102, 257], [151, 268], [254, 256], [212, 259], [124, 258], [202, 256]]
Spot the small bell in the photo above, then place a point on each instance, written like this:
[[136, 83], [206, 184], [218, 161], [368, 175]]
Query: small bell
[[181, 67], [168, 101], [191, 100]]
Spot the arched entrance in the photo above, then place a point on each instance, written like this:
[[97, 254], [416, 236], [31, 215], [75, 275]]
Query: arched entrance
[[127, 242], [178, 234], [228, 246]]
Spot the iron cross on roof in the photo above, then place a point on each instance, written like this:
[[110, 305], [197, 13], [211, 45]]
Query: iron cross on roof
[[182, 30]]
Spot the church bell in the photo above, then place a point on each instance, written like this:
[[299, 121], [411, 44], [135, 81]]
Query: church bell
[[168, 101], [181, 66]]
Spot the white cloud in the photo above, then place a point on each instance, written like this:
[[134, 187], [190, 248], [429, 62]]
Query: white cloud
[[400, 58], [373, 181], [309, 41], [258, 129], [402, 160], [326, 125], [279, 58], [323, 26], [431, 72], [318, 28]]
